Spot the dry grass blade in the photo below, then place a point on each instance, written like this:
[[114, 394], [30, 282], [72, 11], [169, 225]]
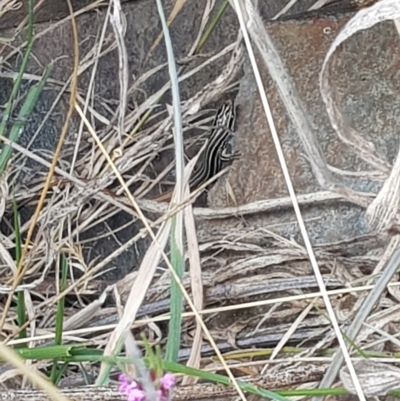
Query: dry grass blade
[[382, 211], [9, 5], [319, 4], [376, 378], [8, 260], [285, 9], [3, 192], [118, 23], [292, 329], [385, 335], [364, 19], [81, 318], [262, 206]]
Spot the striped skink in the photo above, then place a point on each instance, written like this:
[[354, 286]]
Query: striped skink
[[218, 149]]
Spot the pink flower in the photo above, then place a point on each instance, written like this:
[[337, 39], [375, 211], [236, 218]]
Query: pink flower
[[125, 386], [134, 391], [136, 395], [167, 381], [124, 383]]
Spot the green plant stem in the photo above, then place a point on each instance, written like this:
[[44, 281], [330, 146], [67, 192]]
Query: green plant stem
[[17, 83], [21, 312], [55, 375]]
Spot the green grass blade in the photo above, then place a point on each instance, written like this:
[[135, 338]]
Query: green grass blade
[[110, 361], [53, 351], [211, 26], [60, 316], [60, 371], [174, 325], [17, 83], [21, 312], [221, 379], [24, 113], [317, 392]]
